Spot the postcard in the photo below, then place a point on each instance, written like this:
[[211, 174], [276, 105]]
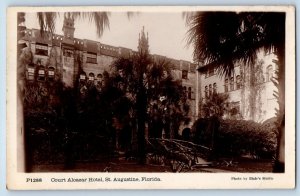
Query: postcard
[[151, 97]]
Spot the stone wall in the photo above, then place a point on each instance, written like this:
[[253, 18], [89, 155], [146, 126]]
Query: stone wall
[[258, 96]]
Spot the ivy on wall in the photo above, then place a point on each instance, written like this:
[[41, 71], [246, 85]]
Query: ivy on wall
[[252, 89]]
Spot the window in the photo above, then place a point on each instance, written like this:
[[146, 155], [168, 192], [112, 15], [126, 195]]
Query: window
[[238, 82], [231, 83], [269, 73], [82, 77], [226, 85], [235, 109], [41, 49], [51, 73], [121, 86], [68, 53], [41, 74], [184, 74], [210, 90], [184, 91], [99, 77], [91, 77], [30, 73], [190, 93], [206, 91], [215, 88], [165, 74], [91, 58], [121, 73]]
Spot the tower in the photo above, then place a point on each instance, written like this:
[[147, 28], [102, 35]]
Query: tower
[[143, 46], [68, 27], [67, 49]]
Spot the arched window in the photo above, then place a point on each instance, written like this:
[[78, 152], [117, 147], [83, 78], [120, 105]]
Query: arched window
[[231, 83], [226, 85], [51, 73], [98, 82], [206, 91], [210, 90], [184, 91], [68, 53], [121, 86], [30, 72], [82, 76], [269, 73], [41, 74], [121, 73], [215, 88], [99, 77], [238, 82], [189, 92], [184, 74], [91, 77], [235, 109]]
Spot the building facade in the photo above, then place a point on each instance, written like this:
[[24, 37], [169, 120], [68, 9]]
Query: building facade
[[250, 89], [66, 58]]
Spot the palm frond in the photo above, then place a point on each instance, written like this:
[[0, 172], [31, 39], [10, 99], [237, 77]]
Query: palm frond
[[224, 38], [131, 14], [213, 35], [274, 32], [47, 21], [100, 19], [188, 16], [159, 67]]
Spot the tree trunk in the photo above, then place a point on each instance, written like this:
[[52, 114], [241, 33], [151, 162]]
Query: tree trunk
[[141, 118], [279, 165]]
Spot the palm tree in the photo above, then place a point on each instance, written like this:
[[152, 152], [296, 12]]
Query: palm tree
[[151, 87], [215, 105], [224, 38], [47, 20]]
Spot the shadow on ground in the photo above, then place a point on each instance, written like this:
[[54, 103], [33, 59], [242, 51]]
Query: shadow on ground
[[242, 165]]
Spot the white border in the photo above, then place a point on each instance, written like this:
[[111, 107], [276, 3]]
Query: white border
[[17, 180]]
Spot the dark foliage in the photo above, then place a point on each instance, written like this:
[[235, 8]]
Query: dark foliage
[[222, 38], [63, 126], [236, 138], [215, 105]]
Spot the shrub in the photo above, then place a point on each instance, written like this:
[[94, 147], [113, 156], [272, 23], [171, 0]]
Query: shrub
[[235, 138], [205, 130], [238, 137]]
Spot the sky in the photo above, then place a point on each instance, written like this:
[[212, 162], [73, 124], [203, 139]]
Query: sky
[[167, 32]]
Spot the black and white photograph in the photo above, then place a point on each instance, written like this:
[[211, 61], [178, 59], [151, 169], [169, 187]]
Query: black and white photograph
[[141, 95]]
